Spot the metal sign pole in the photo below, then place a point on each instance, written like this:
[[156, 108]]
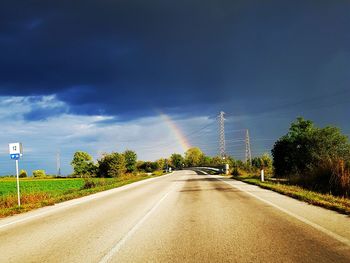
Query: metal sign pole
[[18, 194]]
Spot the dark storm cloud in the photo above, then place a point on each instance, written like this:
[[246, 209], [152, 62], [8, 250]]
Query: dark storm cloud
[[127, 58]]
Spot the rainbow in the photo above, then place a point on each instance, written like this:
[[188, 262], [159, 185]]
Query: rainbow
[[180, 137]]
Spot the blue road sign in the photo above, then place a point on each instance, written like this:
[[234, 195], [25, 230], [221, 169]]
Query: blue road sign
[[15, 156]]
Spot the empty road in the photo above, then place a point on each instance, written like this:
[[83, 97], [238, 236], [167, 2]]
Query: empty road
[[182, 217]]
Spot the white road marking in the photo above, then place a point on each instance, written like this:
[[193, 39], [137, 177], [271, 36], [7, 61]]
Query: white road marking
[[302, 219], [81, 200], [122, 241]]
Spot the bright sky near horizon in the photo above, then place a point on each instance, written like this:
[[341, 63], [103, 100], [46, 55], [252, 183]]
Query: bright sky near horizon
[[151, 76]]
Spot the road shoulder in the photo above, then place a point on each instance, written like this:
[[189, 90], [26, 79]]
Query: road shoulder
[[329, 222]]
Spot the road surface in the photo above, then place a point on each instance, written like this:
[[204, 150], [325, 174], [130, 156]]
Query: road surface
[[182, 217]]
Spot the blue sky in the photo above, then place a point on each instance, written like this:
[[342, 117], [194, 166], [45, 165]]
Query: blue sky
[[94, 75]]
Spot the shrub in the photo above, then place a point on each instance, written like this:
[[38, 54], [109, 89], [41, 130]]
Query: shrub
[[88, 184], [23, 173], [148, 167], [235, 172], [39, 173]]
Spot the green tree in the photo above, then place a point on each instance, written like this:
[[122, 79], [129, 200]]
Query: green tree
[[161, 163], [83, 164], [292, 153], [112, 165], [130, 160], [218, 161], [148, 166], [39, 173], [23, 173], [193, 157], [206, 160], [314, 157], [262, 162], [177, 161]]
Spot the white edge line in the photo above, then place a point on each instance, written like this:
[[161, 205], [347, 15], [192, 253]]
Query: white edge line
[[83, 199], [302, 219], [122, 241]]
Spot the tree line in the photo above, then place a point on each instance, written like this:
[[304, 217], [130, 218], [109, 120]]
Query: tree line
[[313, 157], [115, 164]]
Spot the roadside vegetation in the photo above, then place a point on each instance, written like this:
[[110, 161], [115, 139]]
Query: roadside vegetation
[[336, 203], [88, 177], [308, 163], [37, 193]]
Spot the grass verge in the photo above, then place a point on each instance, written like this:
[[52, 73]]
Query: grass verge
[[328, 201], [38, 193]]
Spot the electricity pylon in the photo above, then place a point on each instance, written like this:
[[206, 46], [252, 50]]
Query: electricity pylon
[[222, 134], [248, 153], [58, 163]]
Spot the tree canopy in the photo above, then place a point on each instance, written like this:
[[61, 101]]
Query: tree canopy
[[82, 164], [193, 157], [130, 160], [177, 161], [111, 165]]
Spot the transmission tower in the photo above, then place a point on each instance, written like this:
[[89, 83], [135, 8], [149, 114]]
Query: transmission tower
[[58, 163], [222, 134], [248, 153]]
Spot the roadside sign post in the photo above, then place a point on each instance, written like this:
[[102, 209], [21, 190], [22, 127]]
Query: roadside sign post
[[227, 168], [16, 151], [262, 175], [18, 194]]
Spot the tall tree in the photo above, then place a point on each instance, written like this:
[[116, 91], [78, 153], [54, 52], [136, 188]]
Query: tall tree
[[177, 161], [111, 165], [83, 164], [130, 160], [193, 157]]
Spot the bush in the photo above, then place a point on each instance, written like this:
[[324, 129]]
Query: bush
[[148, 167], [88, 184], [23, 173], [39, 173], [236, 172]]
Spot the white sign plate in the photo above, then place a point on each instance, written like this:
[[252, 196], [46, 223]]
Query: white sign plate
[[15, 148]]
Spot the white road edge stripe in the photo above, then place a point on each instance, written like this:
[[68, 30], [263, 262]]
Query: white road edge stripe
[[302, 219], [122, 241], [80, 200]]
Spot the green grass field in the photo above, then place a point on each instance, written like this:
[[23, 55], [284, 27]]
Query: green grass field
[[37, 193], [54, 186]]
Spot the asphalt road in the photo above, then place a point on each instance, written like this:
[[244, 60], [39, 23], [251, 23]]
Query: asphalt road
[[182, 217]]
